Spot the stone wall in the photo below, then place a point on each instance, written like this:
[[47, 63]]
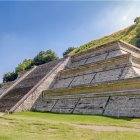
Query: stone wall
[[118, 105], [30, 98], [103, 81]]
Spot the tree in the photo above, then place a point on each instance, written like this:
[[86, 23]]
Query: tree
[[68, 51], [137, 20], [9, 76], [138, 42], [26, 64], [138, 32], [44, 57]]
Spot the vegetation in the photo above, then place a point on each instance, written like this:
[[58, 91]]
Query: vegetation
[[70, 49], [26, 64], [46, 126], [9, 76], [44, 57], [129, 35], [137, 20], [41, 58]]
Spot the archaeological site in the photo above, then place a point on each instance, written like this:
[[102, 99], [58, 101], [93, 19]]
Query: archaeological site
[[104, 80]]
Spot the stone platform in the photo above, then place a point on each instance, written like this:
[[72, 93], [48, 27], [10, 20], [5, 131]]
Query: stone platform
[[103, 80]]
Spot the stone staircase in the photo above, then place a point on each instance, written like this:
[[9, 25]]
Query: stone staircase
[[95, 81], [12, 97]]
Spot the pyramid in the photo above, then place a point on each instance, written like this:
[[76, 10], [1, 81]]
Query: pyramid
[[23, 93], [103, 80]]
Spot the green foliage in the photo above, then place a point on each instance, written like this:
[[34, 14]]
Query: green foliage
[[137, 20], [129, 35], [138, 31], [68, 51], [27, 64], [9, 76], [41, 58], [49, 126], [44, 57], [138, 42]]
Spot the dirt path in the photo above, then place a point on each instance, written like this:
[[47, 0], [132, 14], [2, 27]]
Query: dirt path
[[2, 114], [106, 128]]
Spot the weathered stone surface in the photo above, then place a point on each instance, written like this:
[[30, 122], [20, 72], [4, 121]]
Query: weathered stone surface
[[29, 100], [63, 83], [130, 72], [1, 90], [82, 80], [91, 105], [115, 53], [65, 105], [44, 105], [78, 63], [127, 105], [96, 58], [123, 106], [107, 75]]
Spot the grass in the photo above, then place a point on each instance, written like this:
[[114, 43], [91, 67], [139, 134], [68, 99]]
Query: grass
[[47, 126], [128, 35]]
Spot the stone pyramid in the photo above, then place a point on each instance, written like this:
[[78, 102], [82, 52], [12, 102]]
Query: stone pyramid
[[103, 80], [22, 94]]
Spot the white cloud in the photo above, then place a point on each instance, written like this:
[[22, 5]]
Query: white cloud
[[121, 16]]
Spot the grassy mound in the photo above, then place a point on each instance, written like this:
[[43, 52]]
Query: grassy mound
[[128, 35]]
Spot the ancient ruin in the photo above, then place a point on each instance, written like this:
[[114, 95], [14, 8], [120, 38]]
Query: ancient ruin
[[103, 80]]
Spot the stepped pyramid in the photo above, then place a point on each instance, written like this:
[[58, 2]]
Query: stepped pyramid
[[23, 93], [103, 80]]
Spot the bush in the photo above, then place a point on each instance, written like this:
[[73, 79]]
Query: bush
[[70, 49], [26, 64], [138, 42], [137, 20], [10, 76], [44, 57]]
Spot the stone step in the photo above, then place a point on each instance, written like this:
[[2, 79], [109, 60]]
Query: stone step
[[11, 98], [111, 49]]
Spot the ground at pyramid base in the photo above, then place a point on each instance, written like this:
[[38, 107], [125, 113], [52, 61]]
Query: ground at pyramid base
[[103, 80]]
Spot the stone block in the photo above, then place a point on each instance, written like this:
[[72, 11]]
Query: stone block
[[130, 72], [123, 106], [82, 80], [78, 63], [96, 58], [63, 83], [91, 105], [65, 105], [115, 53], [44, 105], [107, 75]]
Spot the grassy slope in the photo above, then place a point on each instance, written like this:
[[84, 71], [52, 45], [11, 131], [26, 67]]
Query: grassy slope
[[45, 126], [128, 35]]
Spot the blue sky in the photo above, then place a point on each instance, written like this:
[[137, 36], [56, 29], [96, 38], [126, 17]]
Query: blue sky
[[29, 27]]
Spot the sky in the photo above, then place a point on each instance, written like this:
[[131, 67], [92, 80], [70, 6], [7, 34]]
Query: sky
[[27, 27]]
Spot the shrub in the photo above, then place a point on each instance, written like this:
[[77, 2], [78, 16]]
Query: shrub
[[70, 49], [137, 20], [9, 76], [44, 57], [138, 42], [26, 64]]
